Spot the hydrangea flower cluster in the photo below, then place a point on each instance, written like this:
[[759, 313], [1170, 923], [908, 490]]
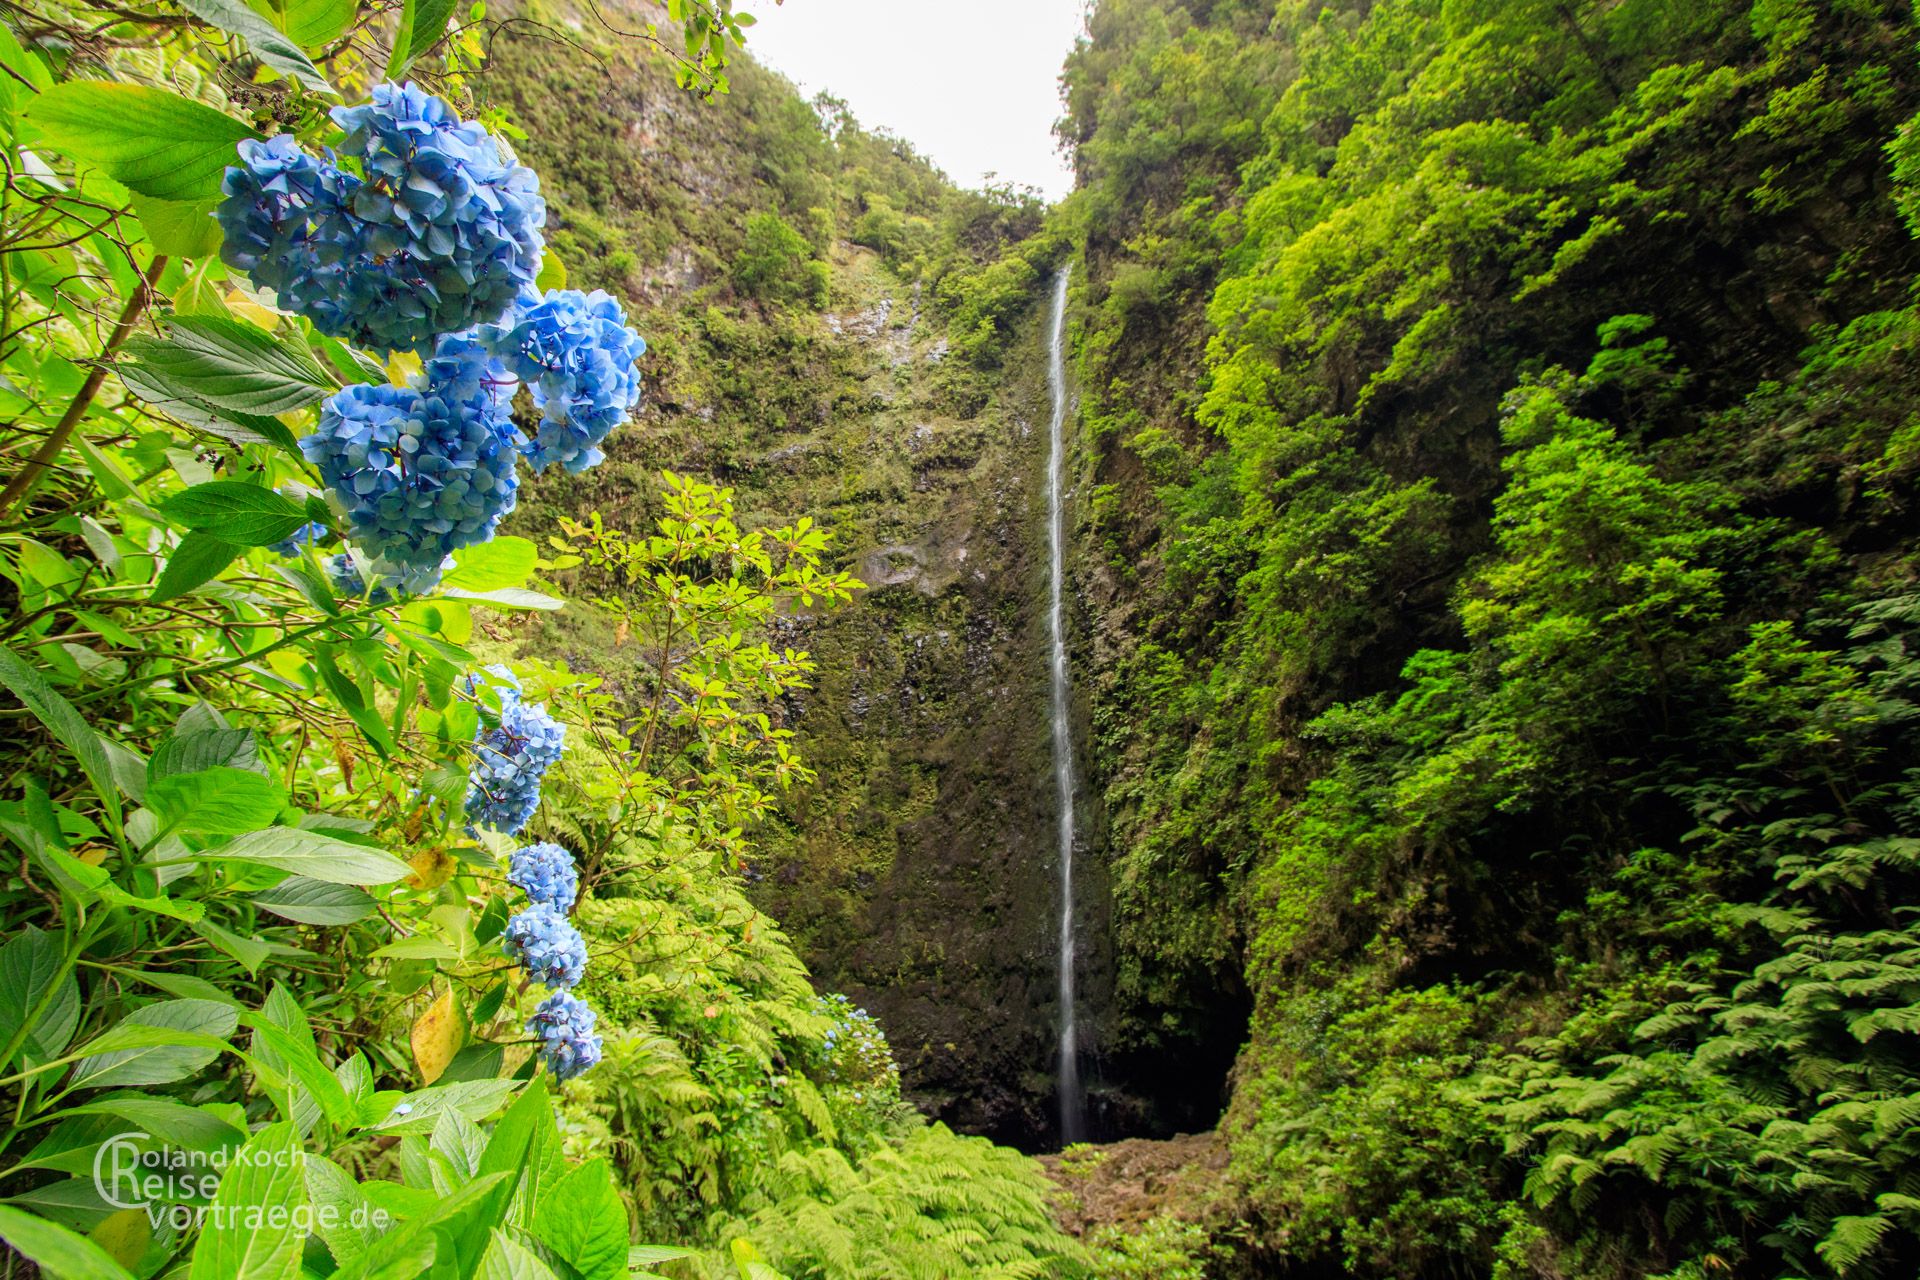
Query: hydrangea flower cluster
[[544, 942], [579, 360], [546, 874], [439, 229], [510, 760], [564, 1023], [422, 470]]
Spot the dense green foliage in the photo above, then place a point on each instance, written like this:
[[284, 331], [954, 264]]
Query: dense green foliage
[[1500, 541]]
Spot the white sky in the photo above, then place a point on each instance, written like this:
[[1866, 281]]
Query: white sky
[[973, 84]]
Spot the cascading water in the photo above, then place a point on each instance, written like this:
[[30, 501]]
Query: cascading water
[[1073, 1102]]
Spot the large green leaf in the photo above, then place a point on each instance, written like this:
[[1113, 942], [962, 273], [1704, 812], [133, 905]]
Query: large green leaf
[[61, 1254], [504, 561], [179, 228], [174, 1123], [33, 970], [196, 561], [310, 901], [253, 1229], [157, 1044], [236, 511], [65, 723], [220, 801], [509, 598], [269, 43], [191, 752], [311, 854], [230, 364], [584, 1222], [152, 142], [176, 401], [311, 23]]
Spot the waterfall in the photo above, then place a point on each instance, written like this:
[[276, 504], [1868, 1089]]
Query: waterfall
[[1073, 1102]]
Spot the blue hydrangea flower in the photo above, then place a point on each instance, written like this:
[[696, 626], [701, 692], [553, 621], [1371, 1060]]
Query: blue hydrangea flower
[[296, 543], [282, 206], [421, 471], [510, 760], [581, 362], [564, 1023], [546, 874], [544, 942], [439, 230], [445, 209], [378, 582]]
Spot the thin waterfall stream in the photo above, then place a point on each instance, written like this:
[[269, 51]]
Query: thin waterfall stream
[[1073, 1102]]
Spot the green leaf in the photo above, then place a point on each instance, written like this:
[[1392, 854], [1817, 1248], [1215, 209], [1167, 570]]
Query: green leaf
[[506, 1260], [474, 1062], [188, 909], [236, 425], [268, 42], [474, 1099], [553, 272], [60, 1253], [157, 1044], [152, 142], [33, 968], [66, 724], [236, 511], [195, 562], [311, 854], [231, 364], [253, 1229], [174, 1123], [342, 1215], [311, 23], [250, 953], [524, 1140], [295, 1056], [192, 752], [186, 987], [179, 228], [422, 24], [221, 801], [584, 1222], [505, 561], [316, 902], [509, 598]]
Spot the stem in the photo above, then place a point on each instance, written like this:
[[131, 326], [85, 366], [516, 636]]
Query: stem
[[28, 474], [231, 663]]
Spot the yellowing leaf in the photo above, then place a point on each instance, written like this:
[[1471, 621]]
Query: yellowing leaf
[[244, 306], [402, 366], [431, 869], [438, 1035]]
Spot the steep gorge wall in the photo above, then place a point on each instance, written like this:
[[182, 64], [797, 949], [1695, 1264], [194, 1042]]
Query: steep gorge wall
[[917, 872]]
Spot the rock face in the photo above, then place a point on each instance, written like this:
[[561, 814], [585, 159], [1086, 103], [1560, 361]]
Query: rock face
[[918, 872]]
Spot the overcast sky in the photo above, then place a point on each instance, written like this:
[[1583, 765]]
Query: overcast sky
[[973, 84]]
